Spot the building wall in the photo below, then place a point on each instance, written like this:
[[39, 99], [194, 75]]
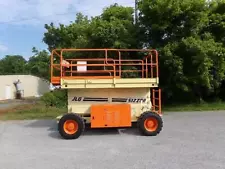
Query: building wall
[[32, 86]]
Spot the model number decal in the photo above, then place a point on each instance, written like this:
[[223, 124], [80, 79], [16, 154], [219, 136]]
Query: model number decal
[[97, 99], [131, 100]]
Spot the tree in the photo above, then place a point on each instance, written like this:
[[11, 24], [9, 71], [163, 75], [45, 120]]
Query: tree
[[74, 35], [165, 20], [39, 64], [191, 57], [12, 64], [114, 28], [195, 65], [217, 20]]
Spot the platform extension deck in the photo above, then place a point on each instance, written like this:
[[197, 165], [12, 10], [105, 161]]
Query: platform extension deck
[[109, 83], [104, 68]]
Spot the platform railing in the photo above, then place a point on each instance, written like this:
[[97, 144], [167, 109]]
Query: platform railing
[[113, 67]]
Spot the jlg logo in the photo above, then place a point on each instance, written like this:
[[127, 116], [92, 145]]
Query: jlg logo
[[77, 99]]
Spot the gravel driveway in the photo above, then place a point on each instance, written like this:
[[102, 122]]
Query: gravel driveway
[[190, 140]]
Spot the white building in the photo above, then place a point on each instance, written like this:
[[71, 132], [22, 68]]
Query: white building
[[31, 86]]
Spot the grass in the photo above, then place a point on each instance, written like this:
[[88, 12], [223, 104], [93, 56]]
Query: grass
[[38, 111], [31, 111], [195, 107]]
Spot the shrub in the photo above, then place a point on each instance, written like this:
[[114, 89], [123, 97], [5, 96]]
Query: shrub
[[57, 98]]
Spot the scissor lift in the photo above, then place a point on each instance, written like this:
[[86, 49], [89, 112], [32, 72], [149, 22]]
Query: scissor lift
[[106, 89]]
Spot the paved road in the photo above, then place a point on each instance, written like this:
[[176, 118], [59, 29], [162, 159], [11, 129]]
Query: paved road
[[188, 141]]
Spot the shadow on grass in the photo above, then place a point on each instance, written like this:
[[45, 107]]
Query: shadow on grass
[[52, 129]]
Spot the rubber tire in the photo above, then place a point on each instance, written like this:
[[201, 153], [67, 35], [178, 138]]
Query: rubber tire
[[143, 117], [71, 116]]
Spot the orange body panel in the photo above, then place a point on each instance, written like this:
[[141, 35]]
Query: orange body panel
[[110, 115], [55, 80]]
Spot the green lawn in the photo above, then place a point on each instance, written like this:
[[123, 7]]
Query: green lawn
[[31, 111], [195, 107], [39, 111]]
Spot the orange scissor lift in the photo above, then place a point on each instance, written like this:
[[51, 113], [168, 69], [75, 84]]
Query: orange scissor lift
[[109, 90]]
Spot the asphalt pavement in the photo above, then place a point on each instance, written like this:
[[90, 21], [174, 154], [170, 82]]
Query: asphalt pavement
[[189, 140]]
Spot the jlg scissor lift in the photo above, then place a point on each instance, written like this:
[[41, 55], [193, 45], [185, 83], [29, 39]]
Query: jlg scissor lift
[[109, 90]]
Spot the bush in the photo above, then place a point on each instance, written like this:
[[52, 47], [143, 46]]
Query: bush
[[57, 98]]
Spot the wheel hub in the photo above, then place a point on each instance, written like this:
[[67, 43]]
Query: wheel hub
[[151, 124], [70, 126]]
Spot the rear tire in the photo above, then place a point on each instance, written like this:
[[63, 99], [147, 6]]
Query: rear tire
[[71, 126], [150, 124]]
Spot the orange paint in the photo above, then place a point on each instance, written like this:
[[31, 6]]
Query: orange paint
[[55, 80], [110, 115], [70, 126], [88, 77], [156, 101], [151, 124], [113, 66]]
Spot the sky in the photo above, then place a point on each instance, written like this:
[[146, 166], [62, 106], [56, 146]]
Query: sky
[[22, 21]]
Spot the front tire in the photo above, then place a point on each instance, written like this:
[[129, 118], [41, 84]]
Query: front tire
[[71, 126], [150, 124]]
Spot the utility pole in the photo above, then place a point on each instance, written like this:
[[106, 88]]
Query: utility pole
[[135, 11]]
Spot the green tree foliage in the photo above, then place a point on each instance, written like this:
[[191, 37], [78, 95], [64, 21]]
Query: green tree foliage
[[194, 66], [57, 98], [217, 20], [191, 55], [74, 35], [39, 64], [165, 20], [12, 64], [113, 29]]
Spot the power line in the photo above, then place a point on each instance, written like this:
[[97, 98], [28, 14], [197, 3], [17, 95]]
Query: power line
[[59, 14]]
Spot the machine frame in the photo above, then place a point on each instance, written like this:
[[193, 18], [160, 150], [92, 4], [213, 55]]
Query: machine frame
[[101, 95]]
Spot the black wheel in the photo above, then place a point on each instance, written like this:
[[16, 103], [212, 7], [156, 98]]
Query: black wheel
[[71, 126], [150, 124]]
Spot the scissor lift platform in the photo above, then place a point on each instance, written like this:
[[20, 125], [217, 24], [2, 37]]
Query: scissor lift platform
[[107, 88], [108, 83]]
